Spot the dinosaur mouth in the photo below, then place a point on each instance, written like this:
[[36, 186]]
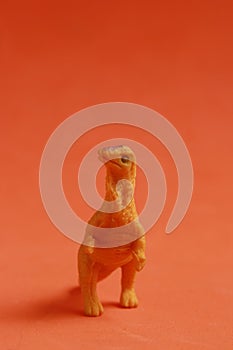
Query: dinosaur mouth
[[105, 159], [112, 161]]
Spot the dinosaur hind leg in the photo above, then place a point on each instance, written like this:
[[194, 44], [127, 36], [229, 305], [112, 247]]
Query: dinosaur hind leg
[[128, 296], [88, 276]]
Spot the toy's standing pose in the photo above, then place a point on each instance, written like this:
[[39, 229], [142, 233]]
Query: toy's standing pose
[[96, 263]]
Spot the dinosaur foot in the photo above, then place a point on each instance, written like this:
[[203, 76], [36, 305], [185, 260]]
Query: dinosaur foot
[[128, 299], [93, 308]]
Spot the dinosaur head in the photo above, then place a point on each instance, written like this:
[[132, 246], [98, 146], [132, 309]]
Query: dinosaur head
[[120, 162]]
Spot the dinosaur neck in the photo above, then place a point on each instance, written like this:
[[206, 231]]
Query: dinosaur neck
[[121, 194]]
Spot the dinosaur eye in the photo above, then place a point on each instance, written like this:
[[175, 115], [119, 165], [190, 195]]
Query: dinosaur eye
[[124, 159]]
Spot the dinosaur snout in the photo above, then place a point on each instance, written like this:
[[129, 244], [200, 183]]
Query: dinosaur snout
[[102, 155], [107, 153]]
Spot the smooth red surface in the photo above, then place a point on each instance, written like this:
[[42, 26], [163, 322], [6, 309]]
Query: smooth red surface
[[59, 57]]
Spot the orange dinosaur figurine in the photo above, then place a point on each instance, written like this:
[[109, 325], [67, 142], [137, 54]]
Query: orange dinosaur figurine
[[96, 262]]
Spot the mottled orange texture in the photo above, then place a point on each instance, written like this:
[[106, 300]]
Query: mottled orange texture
[[95, 263]]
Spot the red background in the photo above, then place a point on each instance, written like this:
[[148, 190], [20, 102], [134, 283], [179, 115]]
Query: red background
[[172, 56]]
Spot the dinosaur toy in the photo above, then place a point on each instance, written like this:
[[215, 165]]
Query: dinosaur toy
[[96, 262]]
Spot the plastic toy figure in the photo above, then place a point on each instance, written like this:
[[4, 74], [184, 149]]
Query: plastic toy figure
[[96, 262]]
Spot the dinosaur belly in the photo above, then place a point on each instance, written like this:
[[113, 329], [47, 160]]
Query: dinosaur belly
[[113, 257]]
